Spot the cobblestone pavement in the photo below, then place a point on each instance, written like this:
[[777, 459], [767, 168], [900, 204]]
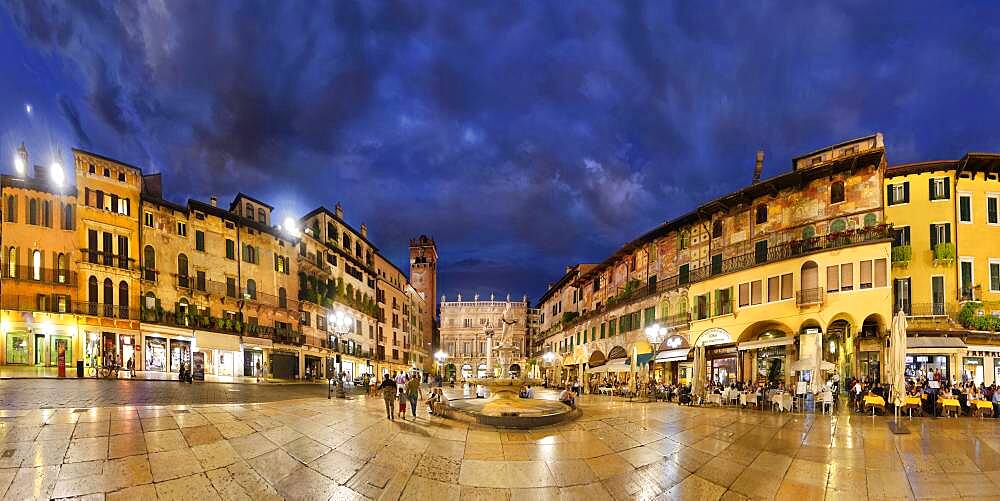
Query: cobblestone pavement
[[314, 448], [55, 393]]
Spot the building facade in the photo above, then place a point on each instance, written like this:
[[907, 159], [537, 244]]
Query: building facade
[[464, 325], [103, 268], [807, 266]]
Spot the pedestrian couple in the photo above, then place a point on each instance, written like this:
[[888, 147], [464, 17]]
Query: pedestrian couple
[[406, 388]]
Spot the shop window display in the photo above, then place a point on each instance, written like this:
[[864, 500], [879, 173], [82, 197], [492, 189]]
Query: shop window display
[[156, 354]]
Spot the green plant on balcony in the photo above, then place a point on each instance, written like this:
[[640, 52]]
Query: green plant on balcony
[[944, 251], [569, 316], [973, 316], [902, 254]]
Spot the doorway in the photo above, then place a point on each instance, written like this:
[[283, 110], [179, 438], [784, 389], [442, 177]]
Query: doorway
[[937, 295], [39, 349]]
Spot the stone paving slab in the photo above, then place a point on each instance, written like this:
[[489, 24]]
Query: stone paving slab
[[314, 448]]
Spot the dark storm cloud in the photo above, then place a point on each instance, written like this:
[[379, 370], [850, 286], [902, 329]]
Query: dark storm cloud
[[523, 136]]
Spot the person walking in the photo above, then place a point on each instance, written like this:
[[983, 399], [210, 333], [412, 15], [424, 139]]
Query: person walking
[[131, 367], [401, 396], [258, 371], [413, 393], [388, 388]]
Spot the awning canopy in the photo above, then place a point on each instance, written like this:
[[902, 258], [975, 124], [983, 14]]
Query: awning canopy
[[678, 355], [935, 342], [766, 343], [640, 359], [614, 365], [216, 341], [809, 364]]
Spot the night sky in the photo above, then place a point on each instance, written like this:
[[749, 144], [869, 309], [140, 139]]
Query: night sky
[[523, 136]]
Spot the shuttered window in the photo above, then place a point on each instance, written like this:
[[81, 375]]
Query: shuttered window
[[755, 292], [773, 292], [880, 276], [786, 286], [847, 276], [866, 275], [744, 295], [832, 278]]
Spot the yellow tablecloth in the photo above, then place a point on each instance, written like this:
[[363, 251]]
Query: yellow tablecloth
[[983, 404], [913, 401], [950, 402], [874, 400]]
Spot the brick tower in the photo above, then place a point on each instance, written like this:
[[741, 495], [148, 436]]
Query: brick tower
[[423, 278]]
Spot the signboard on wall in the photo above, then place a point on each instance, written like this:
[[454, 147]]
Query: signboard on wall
[[714, 335], [198, 366]]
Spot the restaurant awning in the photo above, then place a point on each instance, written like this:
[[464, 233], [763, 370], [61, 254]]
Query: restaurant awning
[[640, 359], [935, 342], [678, 355], [615, 365], [809, 363], [766, 343]]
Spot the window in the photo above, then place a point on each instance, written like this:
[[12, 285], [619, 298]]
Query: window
[[940, 233], [717, 264], [251, 288], [743, 295], [68, 223], [847, 276], [91, 169], [230, 249], [991, 209], [701, 306], [147, 219], [283, 300], [124, 207], [36, 265], [199, 280], [900, 236], [966, 277], [773, 289], [109, 298], [603, 328], [149, 263], [61, 268], [121, 177], [898, 193], [865, 268], [11, 209], [250, 254], [684, 241], [248, 209], [331, 231], [107, 172], [755, 292], [46, 213], [760, 252], [832, 278], [880, 275], [786, 286], [994, 275], [230, 287], [837, 192], [723, 301], [199, 240], [964, 208], [939, 188], [182, 229], [611, 327], [347, 242], [182, 271], [717, 228], [761, 214], [32, 211]]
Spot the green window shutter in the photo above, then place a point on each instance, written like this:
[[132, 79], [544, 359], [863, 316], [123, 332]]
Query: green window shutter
[[965, 209], [991, 210], [602, 330], [933, 237], [947, 188], [906, 192], [889, 192], [947, 233], [930, 189]]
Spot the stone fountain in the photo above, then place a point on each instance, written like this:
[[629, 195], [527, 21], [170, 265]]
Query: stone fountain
[[504, 407]]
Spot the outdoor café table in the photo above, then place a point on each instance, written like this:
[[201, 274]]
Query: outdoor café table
[[874, 402], [982, 408], [951, 405], [911, 403], [782, 400], [606, 390], [715, 398]]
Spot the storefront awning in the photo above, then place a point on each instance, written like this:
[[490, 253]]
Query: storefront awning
[[216, 341], [615, 365], [935, 342], [640, 359], [766, 343], [678, 355]]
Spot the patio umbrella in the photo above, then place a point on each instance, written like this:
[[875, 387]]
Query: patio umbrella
[[698, 385], [897, 359], [817, 383]]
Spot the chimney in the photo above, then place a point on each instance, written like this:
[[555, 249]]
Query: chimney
[[339, 211], [214, 200], [364, 230], [758, 166]]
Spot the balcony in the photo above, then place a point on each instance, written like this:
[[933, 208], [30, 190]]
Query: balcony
[[901, 255], [105, 310], [809, 297], [48, 276], [107, 259], [944, 253], [793, 247], [148, 275], [934, 309]]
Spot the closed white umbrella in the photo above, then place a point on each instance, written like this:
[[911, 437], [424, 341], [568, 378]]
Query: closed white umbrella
[[698, 386], [897, 358]]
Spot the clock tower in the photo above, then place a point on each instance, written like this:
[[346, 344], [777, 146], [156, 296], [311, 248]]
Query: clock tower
[[423, 278]]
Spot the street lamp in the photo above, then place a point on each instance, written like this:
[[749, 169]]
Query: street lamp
[[56, 171], [341, 323], [440, 356], [655, 334], [549, 357], [19, 165]]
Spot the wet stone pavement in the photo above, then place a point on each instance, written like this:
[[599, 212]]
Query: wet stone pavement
[[313, 448]]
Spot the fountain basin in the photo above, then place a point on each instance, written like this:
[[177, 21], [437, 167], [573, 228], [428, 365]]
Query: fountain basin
[[503, 408]]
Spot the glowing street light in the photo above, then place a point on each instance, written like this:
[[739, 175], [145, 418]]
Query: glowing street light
[[291, 226], [655, 334], [341, 322], [19, 165], [440, 356], [56, 171], [549, 357]]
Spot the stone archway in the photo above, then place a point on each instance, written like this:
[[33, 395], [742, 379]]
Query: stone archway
[[617, 352]]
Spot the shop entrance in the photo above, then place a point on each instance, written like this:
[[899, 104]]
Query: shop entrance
[[251, 360], [126, 345], [156, 354], [721, 364], [180, 353], [284, 365], [225, 363], [39, 349], [932, 367], [60, 343], [972, 370], [17, 348]]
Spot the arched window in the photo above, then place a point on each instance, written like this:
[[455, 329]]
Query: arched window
[[251, 288], [61, 268], [123, 299], [12, 262], [837, 192], [68, 223], [109, 297], [92, 295], [47, 213], [11, 209], [36, 264], [282, 298], [809, 291], [182, 270], [32, 211], [149, 263]]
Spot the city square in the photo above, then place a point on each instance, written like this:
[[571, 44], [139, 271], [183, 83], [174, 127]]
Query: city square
[[530, 249]]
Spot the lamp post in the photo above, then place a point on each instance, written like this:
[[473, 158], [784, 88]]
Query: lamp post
[[440, 356], [548, 357], [342, 323], [656, 333]]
